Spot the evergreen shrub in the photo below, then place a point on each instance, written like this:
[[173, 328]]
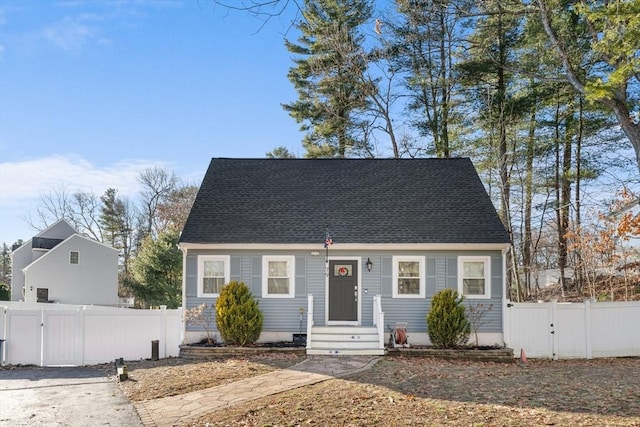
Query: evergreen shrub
[[238, 317], [447, 323]]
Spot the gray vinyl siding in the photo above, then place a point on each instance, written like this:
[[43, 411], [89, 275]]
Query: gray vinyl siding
[[414, 311], [282, 314]]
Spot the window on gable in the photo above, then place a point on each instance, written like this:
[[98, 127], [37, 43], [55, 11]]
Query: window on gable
[[42, 295], [74, 257], [278, 276], [474, 277], [213, 274], [408, 277]]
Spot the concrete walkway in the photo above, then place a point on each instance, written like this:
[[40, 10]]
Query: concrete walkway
[[168, 411]]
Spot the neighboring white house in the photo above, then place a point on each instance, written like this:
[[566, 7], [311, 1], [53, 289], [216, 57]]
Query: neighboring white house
[[60, 265]]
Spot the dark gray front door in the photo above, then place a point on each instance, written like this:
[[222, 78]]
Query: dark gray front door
[[343, 291]]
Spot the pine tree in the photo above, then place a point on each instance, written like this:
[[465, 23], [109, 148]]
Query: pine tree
[[5, 273], [423, 48], [157, 271], [112, 218], [329, 76]]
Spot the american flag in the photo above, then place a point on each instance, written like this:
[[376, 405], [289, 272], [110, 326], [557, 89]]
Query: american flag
[[328, 241]]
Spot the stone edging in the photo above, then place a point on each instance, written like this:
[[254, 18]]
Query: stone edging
[[195, 352], [489, 355]]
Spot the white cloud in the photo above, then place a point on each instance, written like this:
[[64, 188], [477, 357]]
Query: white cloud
[[27, 180], [73, 33], [23, 182]]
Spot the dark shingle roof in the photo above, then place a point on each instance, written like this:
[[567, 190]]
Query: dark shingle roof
[[361, 200], [44, 243]]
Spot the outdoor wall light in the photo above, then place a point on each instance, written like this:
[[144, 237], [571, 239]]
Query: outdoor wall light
[[369, 264]]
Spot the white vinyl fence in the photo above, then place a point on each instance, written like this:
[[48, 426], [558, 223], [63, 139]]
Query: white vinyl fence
[[573, 330], [70, 335]]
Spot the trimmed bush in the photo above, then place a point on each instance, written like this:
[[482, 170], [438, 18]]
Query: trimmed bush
[[238, 316], [447, 324]]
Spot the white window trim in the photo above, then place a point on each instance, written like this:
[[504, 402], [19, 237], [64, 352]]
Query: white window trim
[[291, 272], [227, 272], [422, 276], [77, 257], [487, 275]]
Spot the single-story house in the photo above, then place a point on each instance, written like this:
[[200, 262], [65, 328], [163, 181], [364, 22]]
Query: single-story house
[[343, 249], [62, 266]]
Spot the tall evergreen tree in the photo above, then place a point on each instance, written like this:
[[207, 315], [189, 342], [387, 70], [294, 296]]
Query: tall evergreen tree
[[5, 273], [111, 218], [423, 49], [157, 271], [328, 76], [116, 219]]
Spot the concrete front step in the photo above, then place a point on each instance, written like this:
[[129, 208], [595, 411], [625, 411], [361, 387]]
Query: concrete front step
[[344, 340], [345, 337], [344, 330], [345, 352]]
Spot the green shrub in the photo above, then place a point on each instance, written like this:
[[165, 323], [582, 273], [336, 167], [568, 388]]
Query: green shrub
[[447, 324], [5, 292], [238, 316]]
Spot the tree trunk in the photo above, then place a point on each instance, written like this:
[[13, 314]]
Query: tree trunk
[[565, 202], [631, 130], [578, 264], [528, 203], [617, 102], [558, 202], [444, 97]]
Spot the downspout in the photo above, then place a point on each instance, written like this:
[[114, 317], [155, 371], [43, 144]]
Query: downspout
[[506, 325], [184, 292], [27, 293]]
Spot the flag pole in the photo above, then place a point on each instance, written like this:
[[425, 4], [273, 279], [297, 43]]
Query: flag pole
[[328, 241]]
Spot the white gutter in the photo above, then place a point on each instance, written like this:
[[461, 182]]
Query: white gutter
[[350, 246]]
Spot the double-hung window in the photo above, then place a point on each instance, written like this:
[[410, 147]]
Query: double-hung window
[[408, 277], [278, 276], [213, 274], [474, 277], [74, 257]]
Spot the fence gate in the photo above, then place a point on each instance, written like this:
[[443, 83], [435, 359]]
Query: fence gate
[[530, 326], [62, 338], [24, 337]]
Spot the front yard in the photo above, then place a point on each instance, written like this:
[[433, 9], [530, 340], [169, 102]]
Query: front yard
[[414, 391]]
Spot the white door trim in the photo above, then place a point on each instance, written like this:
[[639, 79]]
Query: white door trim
[[326, 290]]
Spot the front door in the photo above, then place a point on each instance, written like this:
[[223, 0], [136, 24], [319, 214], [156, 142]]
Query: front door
[[343, 291]]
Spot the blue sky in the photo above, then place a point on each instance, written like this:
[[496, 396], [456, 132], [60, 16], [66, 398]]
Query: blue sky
[[93, 92]]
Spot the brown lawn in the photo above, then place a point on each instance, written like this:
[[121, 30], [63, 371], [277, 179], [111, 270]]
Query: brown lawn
[[401, 391]]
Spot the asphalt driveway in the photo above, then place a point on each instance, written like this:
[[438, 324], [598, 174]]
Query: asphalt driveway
[[79, 396]]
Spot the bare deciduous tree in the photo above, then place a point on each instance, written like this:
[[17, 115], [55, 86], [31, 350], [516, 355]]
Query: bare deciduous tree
[[157, 184]]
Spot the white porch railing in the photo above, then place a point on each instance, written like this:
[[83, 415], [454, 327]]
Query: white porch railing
[[378, 319], [309, 318]]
